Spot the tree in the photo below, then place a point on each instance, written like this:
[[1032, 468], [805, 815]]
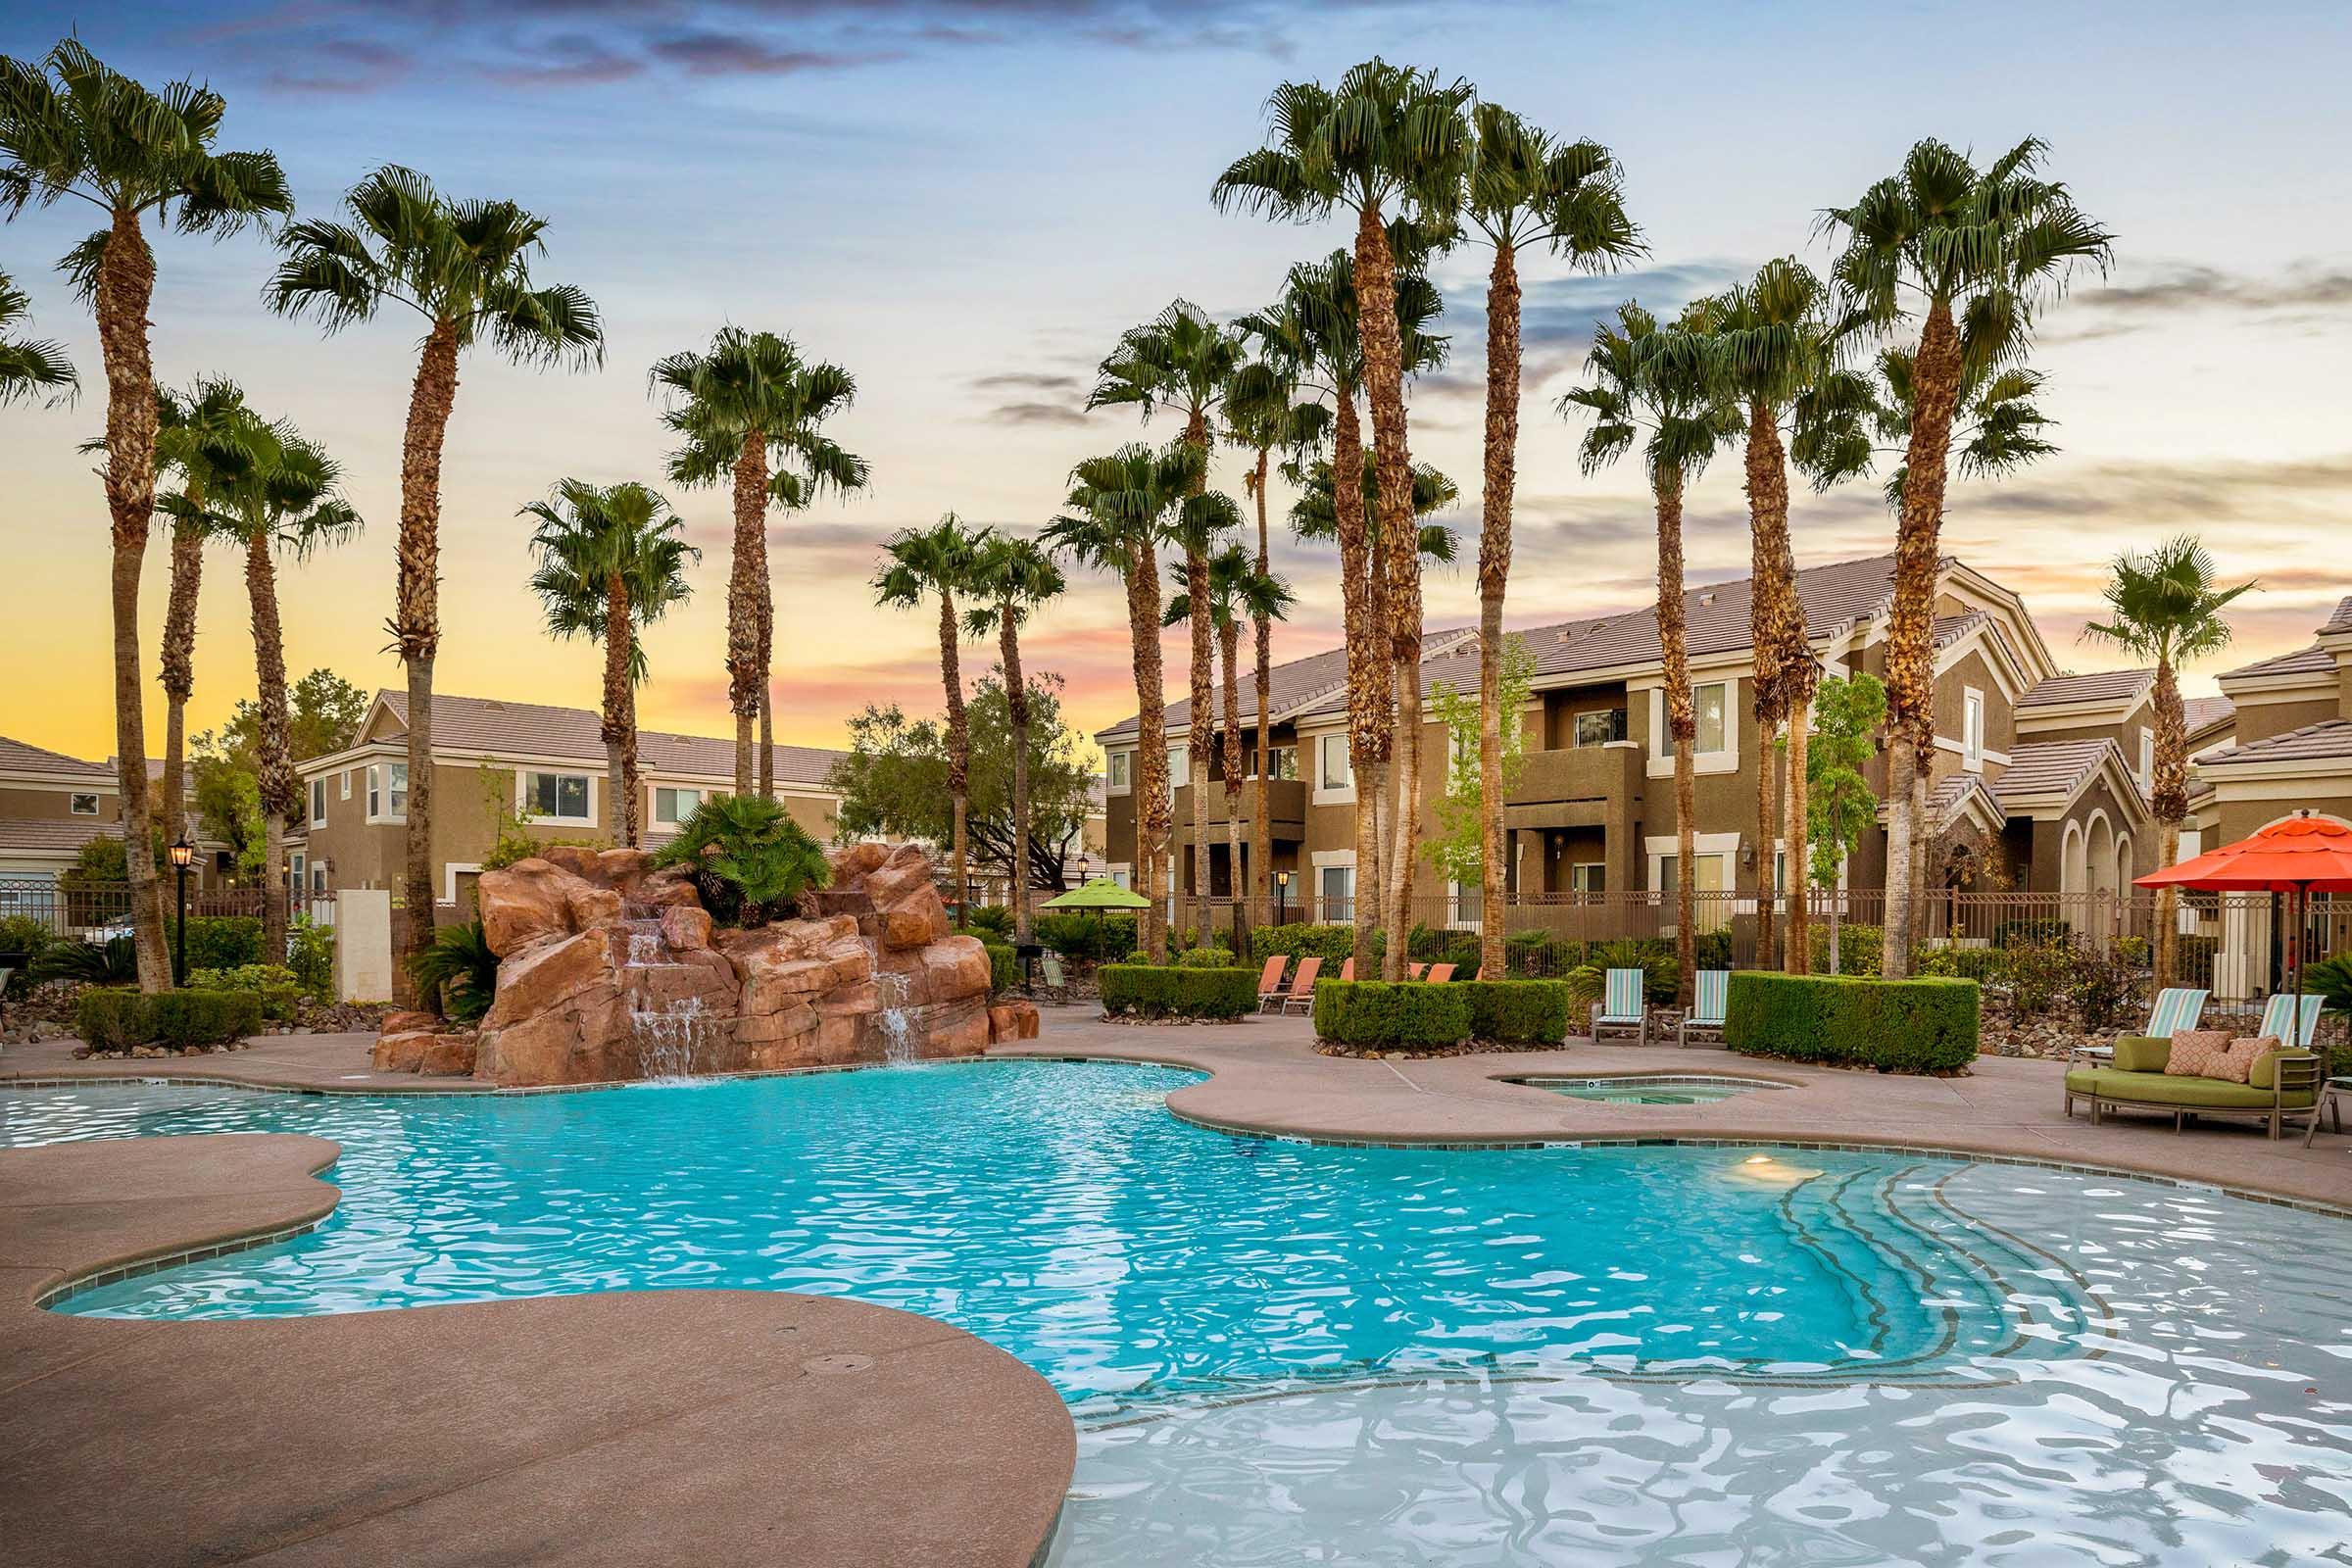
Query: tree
[[894, 781], [750, 410], [1773, 352], [1650, 383], [1012, 578], [464, 267], [1314, 514], [939, 562], [1976, 252], [1839, 803], [324, 712], [2163, 605], [1525, 190], [1182, 358], [1387, 138], [31, 367], [1459, 851], [1122, 510], [1237, 592], [610, 561], [71, 126]]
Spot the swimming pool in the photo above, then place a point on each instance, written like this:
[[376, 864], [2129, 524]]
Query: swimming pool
[[1651, 1089], [1602, 1355]]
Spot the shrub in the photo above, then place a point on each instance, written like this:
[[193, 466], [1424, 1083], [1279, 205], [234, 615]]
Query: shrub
[[1154, 990], [990, 922], [1661, 971], [29, 935], [2040, 973], [221, 940], [2193, 957], [1964, 963], [1383, 1015], [1207, 959], [311, 955], [751, 860], [2103, 984], [459, 970], [1859, 946], [111, 1018], [1333, 944], [1003, 967], [1518, 1013], [1913, 1026], [1139, 956], [1711, 949], [1086, 938], [2032, 933], [114, 962], [273, 983], [1585, 985], [1444, 944], [1538, 955]]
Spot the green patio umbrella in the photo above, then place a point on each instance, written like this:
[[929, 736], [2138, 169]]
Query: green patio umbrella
[[1099, 894]]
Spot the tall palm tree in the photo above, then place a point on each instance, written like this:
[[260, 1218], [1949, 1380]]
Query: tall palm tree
[[1198, 529], [31, 367], [1314, 514], [288, 499], [1389, 138], [939, 562], [1237, 591], [610, 561], [1526, 189], [1121, 509], [1976, 252], [750, 410], [1773, 352], [1012, 578], [462, 267], [1650, 383], [72, 126], [2163, 604], [1182, 359]]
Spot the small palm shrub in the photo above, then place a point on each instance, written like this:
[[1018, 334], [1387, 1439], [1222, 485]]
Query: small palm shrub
[[2330, 979], [114, 962], [459, 970], [990, 922], [750, 860]]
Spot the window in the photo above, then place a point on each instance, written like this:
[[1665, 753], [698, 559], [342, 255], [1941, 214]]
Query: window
[[83, 804], [2147, 758], [318, 803], [388, 792], [1710, 702], [298, 876], [347, 784], [1599, 727], [318, 879], [557, 794], [1180, 768], [1588, 876], [673, 807], [1972, 731], [1121, 763], [1286, 761], [1711, 876], [1336, 885], [1333, 769]]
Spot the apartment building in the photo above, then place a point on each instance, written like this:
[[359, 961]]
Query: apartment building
[[51, 805], [2287, 742], [2040, 776]]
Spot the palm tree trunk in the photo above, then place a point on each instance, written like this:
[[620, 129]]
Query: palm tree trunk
[[1776, 637], [1501, 479], [125, 285], [747, 586], [1016, 711], [1200, 736], [1682, 722], [1229, 637], [1400, 567], [281, 792], [960, 756], [767, 671], [1261, 826], [1152, 802], [1910, 654], [632, 781], [2169, 801], [1796, 806], [1768, 827], [417, 610], [1367, 670], [179, 669], [620, 809]]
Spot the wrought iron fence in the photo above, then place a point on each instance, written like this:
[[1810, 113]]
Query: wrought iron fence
[[93, 912]]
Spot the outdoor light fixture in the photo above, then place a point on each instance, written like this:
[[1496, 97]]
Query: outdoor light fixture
[[1281, 897], [183, 855]]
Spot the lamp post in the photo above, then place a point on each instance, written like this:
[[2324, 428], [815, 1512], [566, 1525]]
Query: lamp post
[[183, 855], [1282, 898]]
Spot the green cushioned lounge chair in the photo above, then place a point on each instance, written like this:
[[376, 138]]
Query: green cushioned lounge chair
[[1708, 1003], [2177, 1009], [1621, 1010], [2281, 1084]]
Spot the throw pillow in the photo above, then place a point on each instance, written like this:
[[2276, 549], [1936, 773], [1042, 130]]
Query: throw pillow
[[2198, 1053], [2240, 1059]]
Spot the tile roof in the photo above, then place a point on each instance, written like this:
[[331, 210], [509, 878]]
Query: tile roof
[[52, 834], [2203, 712], [490, 725], [1946, 630], [2341, 621], [2045, 768], [2097, 686], [2330, 740], [2312, 661], [18, 757]]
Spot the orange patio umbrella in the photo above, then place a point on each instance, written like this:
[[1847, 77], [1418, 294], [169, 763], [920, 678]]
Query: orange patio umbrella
[[2298, 856]]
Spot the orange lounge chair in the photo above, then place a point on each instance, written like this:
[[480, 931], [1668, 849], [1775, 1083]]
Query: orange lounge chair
[[1348, 970], [1440, 973], [1269, 984], [1415, 971], [1302, 995]]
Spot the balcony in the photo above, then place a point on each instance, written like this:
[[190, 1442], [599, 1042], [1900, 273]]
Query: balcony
[[1580, 786], [1286, 802]]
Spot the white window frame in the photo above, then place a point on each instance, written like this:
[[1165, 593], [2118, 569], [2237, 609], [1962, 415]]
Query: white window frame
[[2147, 761], [1335, 793], [317, 794], [1577, 869], [653, 801], [1118, 772], [388, 796], [1972, 729], [1724, 760], [76, 807], [1661, 849], [1576, 729], [1180, 768], [525, 777], [346, 784]]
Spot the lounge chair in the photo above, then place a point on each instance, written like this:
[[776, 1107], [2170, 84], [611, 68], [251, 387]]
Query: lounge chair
[[1440, 973], [1415, 971], [2277, 1017], [1057, 984], [1348, 971], [1269, 983], [2177, 1009], [1708, 1005], [1621, 1010], [1300, 997], [2281, 1085]]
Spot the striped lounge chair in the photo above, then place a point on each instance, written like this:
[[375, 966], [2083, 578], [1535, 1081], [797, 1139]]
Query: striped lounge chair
[[1708, 1005], [2279, 1020], [2177, 1009], [1619, 1010]]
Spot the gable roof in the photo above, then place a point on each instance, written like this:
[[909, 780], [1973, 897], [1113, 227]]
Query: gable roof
[[61, 836], [17, 757], [2204, 713], [535, 729], [2095, 686], [2330, 740], [2312, 661], [2054, 768], [2341, 619]]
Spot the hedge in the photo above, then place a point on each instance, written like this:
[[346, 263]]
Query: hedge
[[1913, 1026], [1004, 966], [1207, 959], [273, 983], [1388, 1014], [221, 940], [1518, 1013], [110, 1018], [1333, 944], [1152, 991], [1086, 938]]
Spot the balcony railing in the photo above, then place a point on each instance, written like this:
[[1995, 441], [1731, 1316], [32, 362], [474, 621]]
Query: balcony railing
[[1286, 804], [1579, 773]]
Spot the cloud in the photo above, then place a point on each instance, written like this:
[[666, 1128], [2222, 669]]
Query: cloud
[[710, 53], [2303, 290], [567, 60], [340, 64], [1038, 414], [1026, 381]]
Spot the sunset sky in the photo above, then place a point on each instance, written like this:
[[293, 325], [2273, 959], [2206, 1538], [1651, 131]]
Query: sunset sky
[[965, 201]]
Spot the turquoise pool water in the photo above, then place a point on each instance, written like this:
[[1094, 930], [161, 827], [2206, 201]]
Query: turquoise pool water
[[1658, 1088], [1281, 1353]]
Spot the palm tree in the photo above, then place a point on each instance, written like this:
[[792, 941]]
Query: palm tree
[[1237, 591], [71, 126], [1314, 514], [31, 367], [1012, 578], [750, 409], [1120, 511], [610, 561], [1183, 360], [1773, 352], [1388, 137], [939, 560], [1525, 190], [1976, 252], [464, 267], [1199, 527], [1650, 383], [290, 499], [2163, 605]]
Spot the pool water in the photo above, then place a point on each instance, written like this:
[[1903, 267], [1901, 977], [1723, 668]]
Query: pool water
[[1661, 1089], [1281, 1353]]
